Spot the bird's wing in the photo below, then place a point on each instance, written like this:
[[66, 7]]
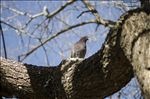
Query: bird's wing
[[78, 50]]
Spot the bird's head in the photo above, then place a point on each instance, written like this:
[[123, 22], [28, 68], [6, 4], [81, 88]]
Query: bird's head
[[84, 38]]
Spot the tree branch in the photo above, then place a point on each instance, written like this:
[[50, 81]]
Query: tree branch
[[3, 41], [99, 20], [60, 9], [136, 46]]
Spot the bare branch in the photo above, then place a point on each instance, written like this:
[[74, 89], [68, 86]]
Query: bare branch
[[99, 20], [83, 13], [17, 29], [17, 11], [24, 13], [3, 40], [47, 61], [60, 9]]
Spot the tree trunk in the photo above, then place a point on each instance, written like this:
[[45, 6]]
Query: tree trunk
[[136, 45], [126, 49]]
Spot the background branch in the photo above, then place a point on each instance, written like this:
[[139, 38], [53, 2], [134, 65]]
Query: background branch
[[3, 41], [99, 20]]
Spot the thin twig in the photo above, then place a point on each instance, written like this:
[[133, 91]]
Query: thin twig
[[3, 40], [18, 30], [18, 12], [60, 9], [47, 60], [99, 20], [83, 13]]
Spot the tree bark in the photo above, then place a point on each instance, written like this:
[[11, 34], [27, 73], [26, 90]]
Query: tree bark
[[126, 49], [136, 46]]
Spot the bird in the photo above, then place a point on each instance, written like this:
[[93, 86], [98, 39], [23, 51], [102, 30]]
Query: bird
[[79, 48]]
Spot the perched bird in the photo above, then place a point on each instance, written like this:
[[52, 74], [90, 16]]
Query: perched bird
[[79, 48]]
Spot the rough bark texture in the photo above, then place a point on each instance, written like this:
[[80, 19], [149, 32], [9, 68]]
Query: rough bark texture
[[135, 41], [30, 82], [102, 74]]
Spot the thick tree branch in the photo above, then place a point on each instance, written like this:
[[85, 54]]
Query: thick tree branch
[[30, 82], [136, 45]]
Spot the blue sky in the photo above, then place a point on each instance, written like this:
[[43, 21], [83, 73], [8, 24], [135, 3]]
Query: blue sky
[[66, 40]]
